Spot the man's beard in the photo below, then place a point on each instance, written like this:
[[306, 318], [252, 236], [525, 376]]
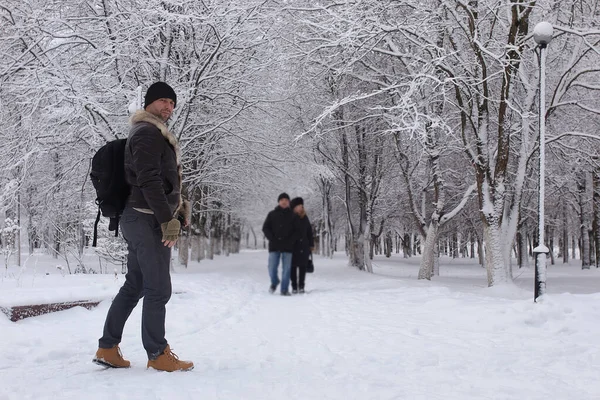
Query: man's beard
[[163, 117]]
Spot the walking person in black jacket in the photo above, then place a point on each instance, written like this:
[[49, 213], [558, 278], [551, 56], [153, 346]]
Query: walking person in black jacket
[[280, 229], [302, 248]]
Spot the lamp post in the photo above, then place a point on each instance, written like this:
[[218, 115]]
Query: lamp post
[[542, 34]]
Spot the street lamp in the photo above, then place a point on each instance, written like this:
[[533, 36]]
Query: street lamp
[[542, 34]]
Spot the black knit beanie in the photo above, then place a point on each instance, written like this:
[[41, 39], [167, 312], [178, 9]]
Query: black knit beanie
[[296, 202], [283, 196], [159, 90]]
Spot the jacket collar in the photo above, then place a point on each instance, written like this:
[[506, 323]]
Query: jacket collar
[[145, 116]]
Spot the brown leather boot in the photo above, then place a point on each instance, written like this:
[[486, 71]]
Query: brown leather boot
[[168, 361], [111, 358]]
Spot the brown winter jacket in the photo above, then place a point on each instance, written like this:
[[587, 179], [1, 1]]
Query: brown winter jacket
[[153, 167]]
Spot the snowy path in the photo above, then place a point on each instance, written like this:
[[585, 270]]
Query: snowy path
[[354, 336]]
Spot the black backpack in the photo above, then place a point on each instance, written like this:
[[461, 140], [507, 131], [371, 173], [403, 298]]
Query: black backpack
[[108, 178]]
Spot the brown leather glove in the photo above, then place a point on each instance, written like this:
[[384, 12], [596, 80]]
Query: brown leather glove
[[170, 230]]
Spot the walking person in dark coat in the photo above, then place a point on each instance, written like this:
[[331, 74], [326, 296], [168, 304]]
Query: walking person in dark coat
[[280, 229], [302, 248], [150, 225]]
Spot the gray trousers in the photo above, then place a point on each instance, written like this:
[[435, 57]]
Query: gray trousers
[[148, 276]]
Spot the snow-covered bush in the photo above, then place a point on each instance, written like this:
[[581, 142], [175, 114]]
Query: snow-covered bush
[[9, 239]]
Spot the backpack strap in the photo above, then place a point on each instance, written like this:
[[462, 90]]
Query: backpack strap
[[117, 218], [95, 241], [113, 225]]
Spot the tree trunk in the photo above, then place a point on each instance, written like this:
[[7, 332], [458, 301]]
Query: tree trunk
[[583, 217], [592, 243], [210, 248], [436, 260], [31, 233], [357, 252], [183, 247], [565, 234], [365, 228], [455, 244], [219, 245], [389, 245], [550, 239], [596, 212], [407, 245], [422, 238], [523, 253], [195, 245], [56, 244], [464, 248], [227, 238], [480, 251], [497, 270], [254, 236], [322, 240], [201, 248], [236, 238], [368, 265], [354, 237], [18, 233], [429, 251]]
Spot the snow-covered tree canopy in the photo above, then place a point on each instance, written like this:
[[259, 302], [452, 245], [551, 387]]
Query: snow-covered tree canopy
[[398, 121]]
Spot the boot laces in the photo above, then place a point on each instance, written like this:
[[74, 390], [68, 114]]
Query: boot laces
[[119, 351], [172, 355]]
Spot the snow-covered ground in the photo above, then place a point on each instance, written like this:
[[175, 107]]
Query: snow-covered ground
[[353, 336]]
